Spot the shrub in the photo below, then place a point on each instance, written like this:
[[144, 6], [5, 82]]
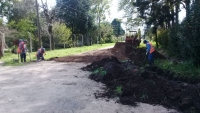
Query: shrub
[[163, 38]]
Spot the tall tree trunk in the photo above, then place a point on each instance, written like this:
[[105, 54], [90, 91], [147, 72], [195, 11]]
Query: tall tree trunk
[[177, 11], [50, 43], [99, 30], [38, 24], [53, 42], [156, 37], [172, 11], [187, 3], [51, 36], [49, 19]]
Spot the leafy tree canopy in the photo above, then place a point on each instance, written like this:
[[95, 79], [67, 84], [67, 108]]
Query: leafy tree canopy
[[118, 30], [75, 13]]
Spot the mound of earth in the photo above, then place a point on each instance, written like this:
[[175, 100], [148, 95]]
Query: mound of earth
[[120, 69], [132, 83], [122, 51], [137, 55]]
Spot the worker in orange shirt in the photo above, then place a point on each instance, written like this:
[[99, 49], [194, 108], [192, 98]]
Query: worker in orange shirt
[[149, 52], [22, 50]]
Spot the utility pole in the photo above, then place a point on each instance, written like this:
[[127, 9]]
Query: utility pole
[[38, 24]]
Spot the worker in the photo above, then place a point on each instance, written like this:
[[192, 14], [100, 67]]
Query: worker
[[22, 50], [149, 52], [40, 54]]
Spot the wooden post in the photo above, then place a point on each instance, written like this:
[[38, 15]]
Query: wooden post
[[82, 39], [1, 44]]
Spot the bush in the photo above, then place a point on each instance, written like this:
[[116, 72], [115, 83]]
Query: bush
[[13, 49], [189, 35], [163, 38], [102, 41], [111, 39], [173, 42]]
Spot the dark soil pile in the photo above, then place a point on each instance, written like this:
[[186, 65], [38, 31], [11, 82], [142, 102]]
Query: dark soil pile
[[121, 69], [85, 58], [137, 84], [137, 55], [122, 51]]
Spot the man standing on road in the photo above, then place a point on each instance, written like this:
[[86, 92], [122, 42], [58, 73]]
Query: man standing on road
[[40, 54], [149, 52]]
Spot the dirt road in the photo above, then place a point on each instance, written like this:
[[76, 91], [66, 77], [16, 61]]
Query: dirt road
[[52, 87]]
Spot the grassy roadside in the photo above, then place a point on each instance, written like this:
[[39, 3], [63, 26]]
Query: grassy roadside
[[8, 57], [186, 70]]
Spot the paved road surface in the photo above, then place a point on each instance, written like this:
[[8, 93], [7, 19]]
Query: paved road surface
[[51, 87]]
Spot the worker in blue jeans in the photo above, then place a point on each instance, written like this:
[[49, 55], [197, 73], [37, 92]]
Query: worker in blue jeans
[[22, 50], [40, 54], [150, 52]]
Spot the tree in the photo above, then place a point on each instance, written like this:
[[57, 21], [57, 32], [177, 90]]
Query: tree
[[23, 9], [49, 15], [99, 7], [118, 30], [62, 33], [23, 27], [139, 33], [20, 30], [6, 7], [75, 13], [189, 35], [128, 7], [106, 32], [23, 12]]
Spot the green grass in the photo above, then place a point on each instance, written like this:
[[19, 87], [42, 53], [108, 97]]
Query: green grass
[[185, 69], [8, 57]]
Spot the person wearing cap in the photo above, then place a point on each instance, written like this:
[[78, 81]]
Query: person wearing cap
[[40, 53], [22, 50], [149, 52]]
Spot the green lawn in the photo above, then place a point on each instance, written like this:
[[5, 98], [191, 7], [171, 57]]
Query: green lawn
[[8, 57]]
